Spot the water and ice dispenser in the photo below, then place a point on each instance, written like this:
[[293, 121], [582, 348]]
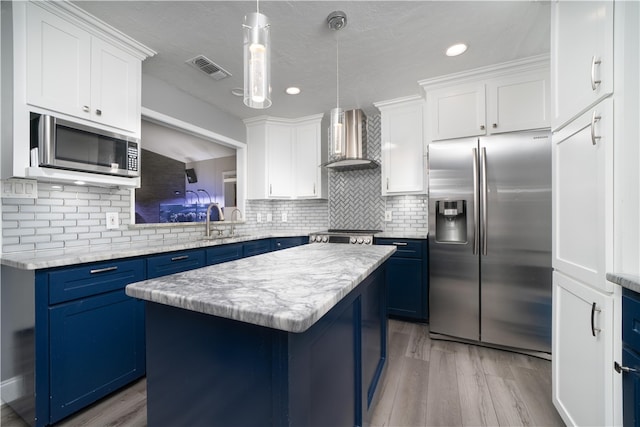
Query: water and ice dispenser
[[451, 221]]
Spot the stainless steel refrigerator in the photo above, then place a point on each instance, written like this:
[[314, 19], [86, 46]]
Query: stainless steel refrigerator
[[490, 240]]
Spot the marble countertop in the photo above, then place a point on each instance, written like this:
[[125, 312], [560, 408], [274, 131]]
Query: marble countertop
[[287, 290], [402, 235], [628, 281], [34, 260]]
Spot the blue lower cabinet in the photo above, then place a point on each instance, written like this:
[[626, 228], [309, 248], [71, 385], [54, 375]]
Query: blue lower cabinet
[[407, 279], [174, 262], [631, 358], [96, 347], [289, 242], [224, 253], [256, 247]]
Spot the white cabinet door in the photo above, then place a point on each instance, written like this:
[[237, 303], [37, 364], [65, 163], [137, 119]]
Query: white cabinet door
[[307, 161], [581, 57], [457, 112], [582, 363], [582, 193], [518, 103], [115, 87], [58, 64], [402, 148], [279, 160]]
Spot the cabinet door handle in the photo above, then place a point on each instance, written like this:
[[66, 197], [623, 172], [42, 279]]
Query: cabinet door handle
[[399, 243], [98, 112], [387, 183], [495, 125], [179, 258], [594, 82], [86, 109], [270, 189], [481, 127], [314, 188], [620, 369], [104, 270], [594, 309], [594, 119]]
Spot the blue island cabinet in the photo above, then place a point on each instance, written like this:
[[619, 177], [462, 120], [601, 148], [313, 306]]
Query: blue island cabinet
[[208, 370], [630, 358]]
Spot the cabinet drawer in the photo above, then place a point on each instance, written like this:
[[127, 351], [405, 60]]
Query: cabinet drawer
[[404, 248], [174, 262], [224, 253], [289, 242], [257, 247], [92, 279], [631, 320]]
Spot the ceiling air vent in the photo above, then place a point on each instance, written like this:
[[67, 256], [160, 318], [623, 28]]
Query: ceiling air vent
[[207, 66]]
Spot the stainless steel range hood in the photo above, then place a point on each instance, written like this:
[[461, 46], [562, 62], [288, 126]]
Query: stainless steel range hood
[[356, 145]]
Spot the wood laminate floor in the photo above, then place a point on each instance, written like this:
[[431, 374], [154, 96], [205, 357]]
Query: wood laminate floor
[[427, 383]]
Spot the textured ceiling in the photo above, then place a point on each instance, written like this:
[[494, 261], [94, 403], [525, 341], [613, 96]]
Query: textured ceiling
[[386, 47]]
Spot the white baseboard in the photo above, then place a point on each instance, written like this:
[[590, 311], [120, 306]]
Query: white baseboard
[[10, 389]]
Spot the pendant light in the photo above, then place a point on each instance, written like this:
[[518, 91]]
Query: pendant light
[[257, 59], [336, 21]]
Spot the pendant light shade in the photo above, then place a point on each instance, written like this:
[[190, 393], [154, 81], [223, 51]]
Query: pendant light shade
[[257, 60], [337, 131]]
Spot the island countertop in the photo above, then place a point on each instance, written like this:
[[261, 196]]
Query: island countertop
[[287, 290]]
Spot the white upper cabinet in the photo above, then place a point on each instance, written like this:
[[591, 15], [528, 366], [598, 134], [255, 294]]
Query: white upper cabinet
[[581, 57], [583, 196], [284, 157], [506, 98], [73, 72], [457, 111], [402, 146]]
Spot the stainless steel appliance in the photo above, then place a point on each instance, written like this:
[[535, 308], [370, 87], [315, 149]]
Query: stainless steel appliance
[[62, 144], [353, 237], [490, 245]]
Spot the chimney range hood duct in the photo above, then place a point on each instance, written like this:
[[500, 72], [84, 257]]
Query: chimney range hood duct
[[356, 145]]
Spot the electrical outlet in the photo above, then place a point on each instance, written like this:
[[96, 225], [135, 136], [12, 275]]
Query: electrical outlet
[[18, 188], [269, 217], [387, 216], [112, 220], [259, 217], [284, 217]]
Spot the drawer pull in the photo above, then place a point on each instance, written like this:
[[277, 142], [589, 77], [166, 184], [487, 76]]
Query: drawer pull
[[620, 369], [399, 243], [180, 258], [593, 314], [104, 270]]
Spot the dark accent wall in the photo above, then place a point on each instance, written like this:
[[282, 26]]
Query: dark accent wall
[[160, 178]]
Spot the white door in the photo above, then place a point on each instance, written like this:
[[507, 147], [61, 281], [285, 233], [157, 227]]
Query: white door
[[581, 57], [279, 160], [307, 160], [58, 64], [115, 96], [457, 112], [582, 195], [518, 103], [582, 362], [402, 149]]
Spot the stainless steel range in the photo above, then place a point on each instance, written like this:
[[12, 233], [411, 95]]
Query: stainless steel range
[[352, 237]]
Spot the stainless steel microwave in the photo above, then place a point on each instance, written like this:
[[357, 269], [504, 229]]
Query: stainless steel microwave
[[62, 144]]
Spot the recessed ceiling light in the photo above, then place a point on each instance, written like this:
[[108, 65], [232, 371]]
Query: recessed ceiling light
[[456, 49], [237, 91], [292, 90], [79, 182]]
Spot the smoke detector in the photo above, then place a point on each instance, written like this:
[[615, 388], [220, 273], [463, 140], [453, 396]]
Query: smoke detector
[[208, 67]]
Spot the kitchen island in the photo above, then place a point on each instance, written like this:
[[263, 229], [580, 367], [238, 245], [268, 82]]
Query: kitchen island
[[295, 337]]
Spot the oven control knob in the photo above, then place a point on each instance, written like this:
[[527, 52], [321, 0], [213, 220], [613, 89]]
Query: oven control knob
[[325, 239], [352, 240], [312, 238], [360, 240], [367, 241]]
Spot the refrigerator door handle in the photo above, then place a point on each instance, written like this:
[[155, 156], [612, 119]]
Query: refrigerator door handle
[[483, 201], [475, 202]]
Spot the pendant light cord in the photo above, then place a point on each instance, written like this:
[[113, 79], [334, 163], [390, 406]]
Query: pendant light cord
[[337, 72], [258, 6]]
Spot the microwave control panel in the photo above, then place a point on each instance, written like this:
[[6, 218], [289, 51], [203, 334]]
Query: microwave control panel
[[132, 157]]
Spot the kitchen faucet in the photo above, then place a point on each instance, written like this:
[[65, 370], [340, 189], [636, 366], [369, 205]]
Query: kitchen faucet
[[233, 225], [220, 217]]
